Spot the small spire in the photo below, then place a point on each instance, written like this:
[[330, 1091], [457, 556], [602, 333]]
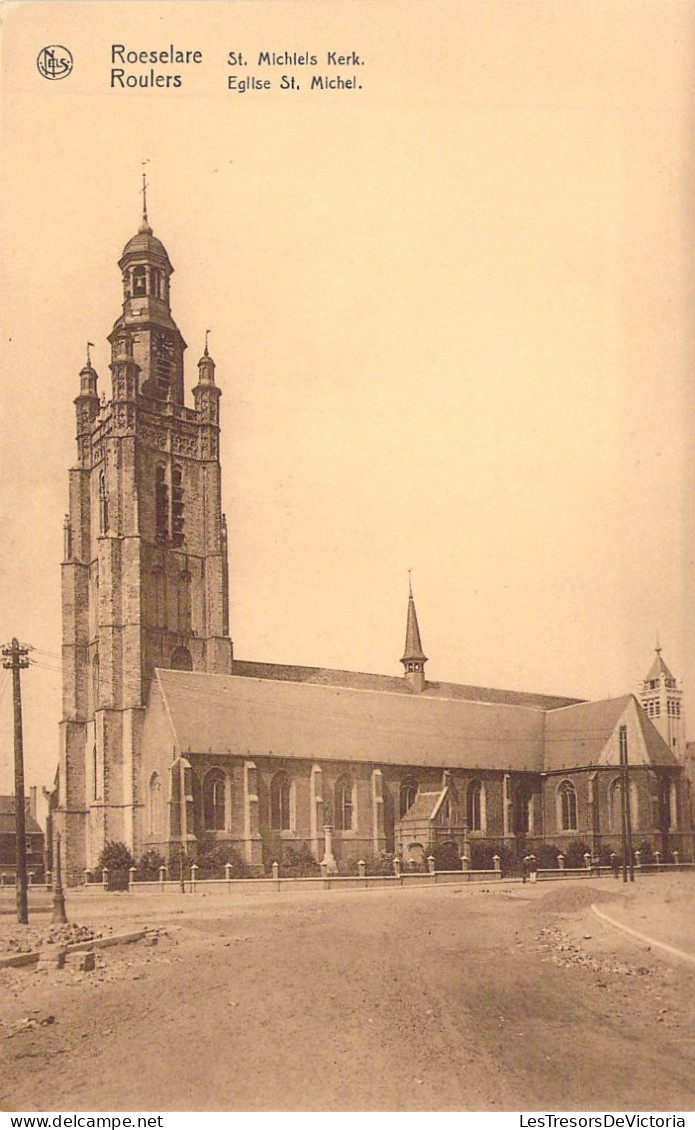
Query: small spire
[[207, 334], [145, 225], [90, 345], [414, 658], [658, 645]]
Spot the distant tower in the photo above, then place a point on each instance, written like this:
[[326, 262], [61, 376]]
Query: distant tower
[[145, 568], [414, 658], [662, 699]]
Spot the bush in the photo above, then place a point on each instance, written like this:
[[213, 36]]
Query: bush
[[212, 864], [447, 856], [381, 864], [546, 856], [297, 862], [575, 852], [150, 862], [116, 857]]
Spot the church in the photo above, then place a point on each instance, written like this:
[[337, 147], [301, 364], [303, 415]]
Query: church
[[170, 743]]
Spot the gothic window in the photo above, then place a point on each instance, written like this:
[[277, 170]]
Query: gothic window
[[523, 813], [177, 508], [408, 793], [156, 806], [568, 807], [615, 793], [160, 611], [214, 800], [474, 806], [161, 503], [156, 283], [181, 660], [184, 610], [280, 814], [344, 813], [103, 505], [139, 282]]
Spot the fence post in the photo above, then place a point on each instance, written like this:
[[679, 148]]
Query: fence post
[[276, 874], [194, 876], [361, 868], [105, 878], [638, 858], [86, 876], [561, 862], [657, 856], [131, 878], [228, 875], [49, 880], [430, 864], [676, 858], [162, 874], [497, 864], [397, 870], [465, 863]]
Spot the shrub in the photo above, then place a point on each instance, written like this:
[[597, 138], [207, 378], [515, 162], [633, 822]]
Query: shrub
[[447, 856], [547, 854], [150, 862], [381, 864], [297, 862], [116, 857], [212, 864], [575, 852]]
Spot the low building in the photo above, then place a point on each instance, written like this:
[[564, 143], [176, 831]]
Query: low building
[[35, 843]]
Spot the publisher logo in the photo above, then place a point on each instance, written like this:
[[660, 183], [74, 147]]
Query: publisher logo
[[54, 62]]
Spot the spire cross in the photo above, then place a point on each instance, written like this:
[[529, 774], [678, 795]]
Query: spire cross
[[90, 345], [410, 583], [144, 193], [207, 334]]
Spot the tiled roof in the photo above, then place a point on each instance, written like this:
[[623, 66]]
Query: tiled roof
[[423, 806], [587, 734], [7, 817], [658, 668], [396, 684], [257, 716]]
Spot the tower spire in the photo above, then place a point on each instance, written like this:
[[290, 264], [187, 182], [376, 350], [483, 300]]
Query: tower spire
[[145, 224], [414, 658]]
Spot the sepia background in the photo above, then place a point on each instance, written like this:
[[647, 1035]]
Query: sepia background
[[452, 315]]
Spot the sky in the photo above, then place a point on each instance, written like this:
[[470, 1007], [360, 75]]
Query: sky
[[451, 313]]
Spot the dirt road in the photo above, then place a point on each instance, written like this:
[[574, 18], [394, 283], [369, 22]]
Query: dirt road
[[402, 1001]]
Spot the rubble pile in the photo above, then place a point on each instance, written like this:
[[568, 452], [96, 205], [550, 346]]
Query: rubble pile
[[563, 951]]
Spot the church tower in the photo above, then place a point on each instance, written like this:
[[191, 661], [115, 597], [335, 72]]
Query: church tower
[[145, 580], [662, 699]]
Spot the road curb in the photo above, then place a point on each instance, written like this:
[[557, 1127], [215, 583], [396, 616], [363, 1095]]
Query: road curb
[[19, 959], [672, 950]]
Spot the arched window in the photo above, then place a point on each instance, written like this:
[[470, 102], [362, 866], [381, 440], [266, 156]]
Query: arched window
[[568, 807], [409, 788], [344, 814], [160, 604], [139, 282], [156, 806], [177, 506], [524, 812], [214, 800], [280, 806], [181, 660], [474, 807], [103, 504], [156, 283], [184, 610], [161, 503], [615, 793]]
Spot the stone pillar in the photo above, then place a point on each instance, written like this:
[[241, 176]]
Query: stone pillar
[[162, 876], [466, 863], [561, 861], [497, 863], [105, 878], [587, 861], [276, 870], [638, 858], [361, 868], [430, 864], [328, 858], [252, 833], [194, 876], [316, 812], [131, 879], [397, 867]]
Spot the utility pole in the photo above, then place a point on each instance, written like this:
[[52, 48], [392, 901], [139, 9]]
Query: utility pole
[[14, 659], [628, 861]]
